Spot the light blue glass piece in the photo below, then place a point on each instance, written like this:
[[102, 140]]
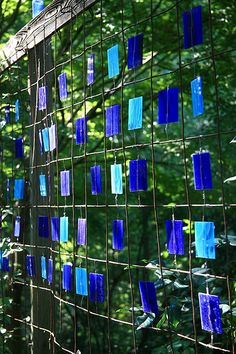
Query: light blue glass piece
[[19, 189], [17, 110], [197, 97], [45, 135], [116, 179], [135, 113], [205, 239], [42, 185], [81, 281], [43, 267], [64, 229], [113, 61]]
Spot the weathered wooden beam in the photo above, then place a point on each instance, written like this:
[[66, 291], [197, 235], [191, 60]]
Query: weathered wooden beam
[[45, 24]]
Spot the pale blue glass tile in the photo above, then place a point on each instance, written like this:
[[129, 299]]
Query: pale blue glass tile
[[64, 229], [17, 110], [116, 179], [205, 239], [42, 185], [197, 97], [81, 281], [113, 61], [43, 267], [135, 113]]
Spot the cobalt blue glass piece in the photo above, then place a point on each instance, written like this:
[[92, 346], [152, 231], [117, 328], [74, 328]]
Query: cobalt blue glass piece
[[148, 296], [81, 135], [55, 228], [202, 171], [91, 69], [1, 253], [43, 267], [81, 235], [17, 226], [7, 113], [45, 136], [19, 189], [168, 105], [63, 86], [138, 180], [135, 118], [113, 61], [50, 271], [175, 236], [5, 264], [197, 97], [113, 120], [64, 229], [192, 27], [37, 7], [65, 183], [52, 137], [96, 180], [81, 281], [19, 152], [210, 313], [42, 185], [40, 141], [118, 235], [42, 98], [66, 277], [116, 179], [30, 266], [17, 110], [135, 51], [205, 239], [43, 227], [96, 293]]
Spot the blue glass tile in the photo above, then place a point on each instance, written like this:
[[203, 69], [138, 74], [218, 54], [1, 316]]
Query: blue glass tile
[[1, 253], [52, 137], [113, 120], [37, 7], [19, 151], [116, 179], [96, 293], [202, 171], [7, 114], [81, 281], [138, 180], [45, 136], [96, 180], [17, 226], [205, 239], [40, 142], [30, 266], [168, 106], [64, 229], [17, 110], [197, 97], [50, 271], [113, 61], [91, 69], [55, 228], [19, 189], [135, 51], [175, 236], [81, 135], [42, 185], [63, 93], [118, 235], [65, 183], [81, 235], [5, 264], [148, 296], [192, 27], [135, 119], [43, 227], [42, 98], [67, 277], [43, 268], [210, 313]]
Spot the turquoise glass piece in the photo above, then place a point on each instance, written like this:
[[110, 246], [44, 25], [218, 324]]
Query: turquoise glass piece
[[45, 136], [42, 185], [64, 229], [205, 239], [81, 281], [43, 267], [135, 113], [116, 179], [113, 61]]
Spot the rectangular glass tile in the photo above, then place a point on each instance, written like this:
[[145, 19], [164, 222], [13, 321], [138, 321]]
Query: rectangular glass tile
[[135, 118], [40, 141], [81, 135], [43, 227], [17, 110], [138, 180], [81, 281], [63, 86], [43, 267], [202, 171], [197, 97], [91, 69], [65, 183], [55, 228], [5, 264], [30, 266], [96, 180], [42, 185], [66, 277], [113, 120], [113, 61], [50, 271], [45, 136], [192, 27], [168, 105], [42, 98], [64, 229], [148, 296], [7, 114], [19, 151], [19, 189], [118, 235], [52, 137], [96, 287], [175, 236], [205, 239], [81, 236], [116, 179], [135, 51], [1, 253], [210, 313], [17, 226]]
